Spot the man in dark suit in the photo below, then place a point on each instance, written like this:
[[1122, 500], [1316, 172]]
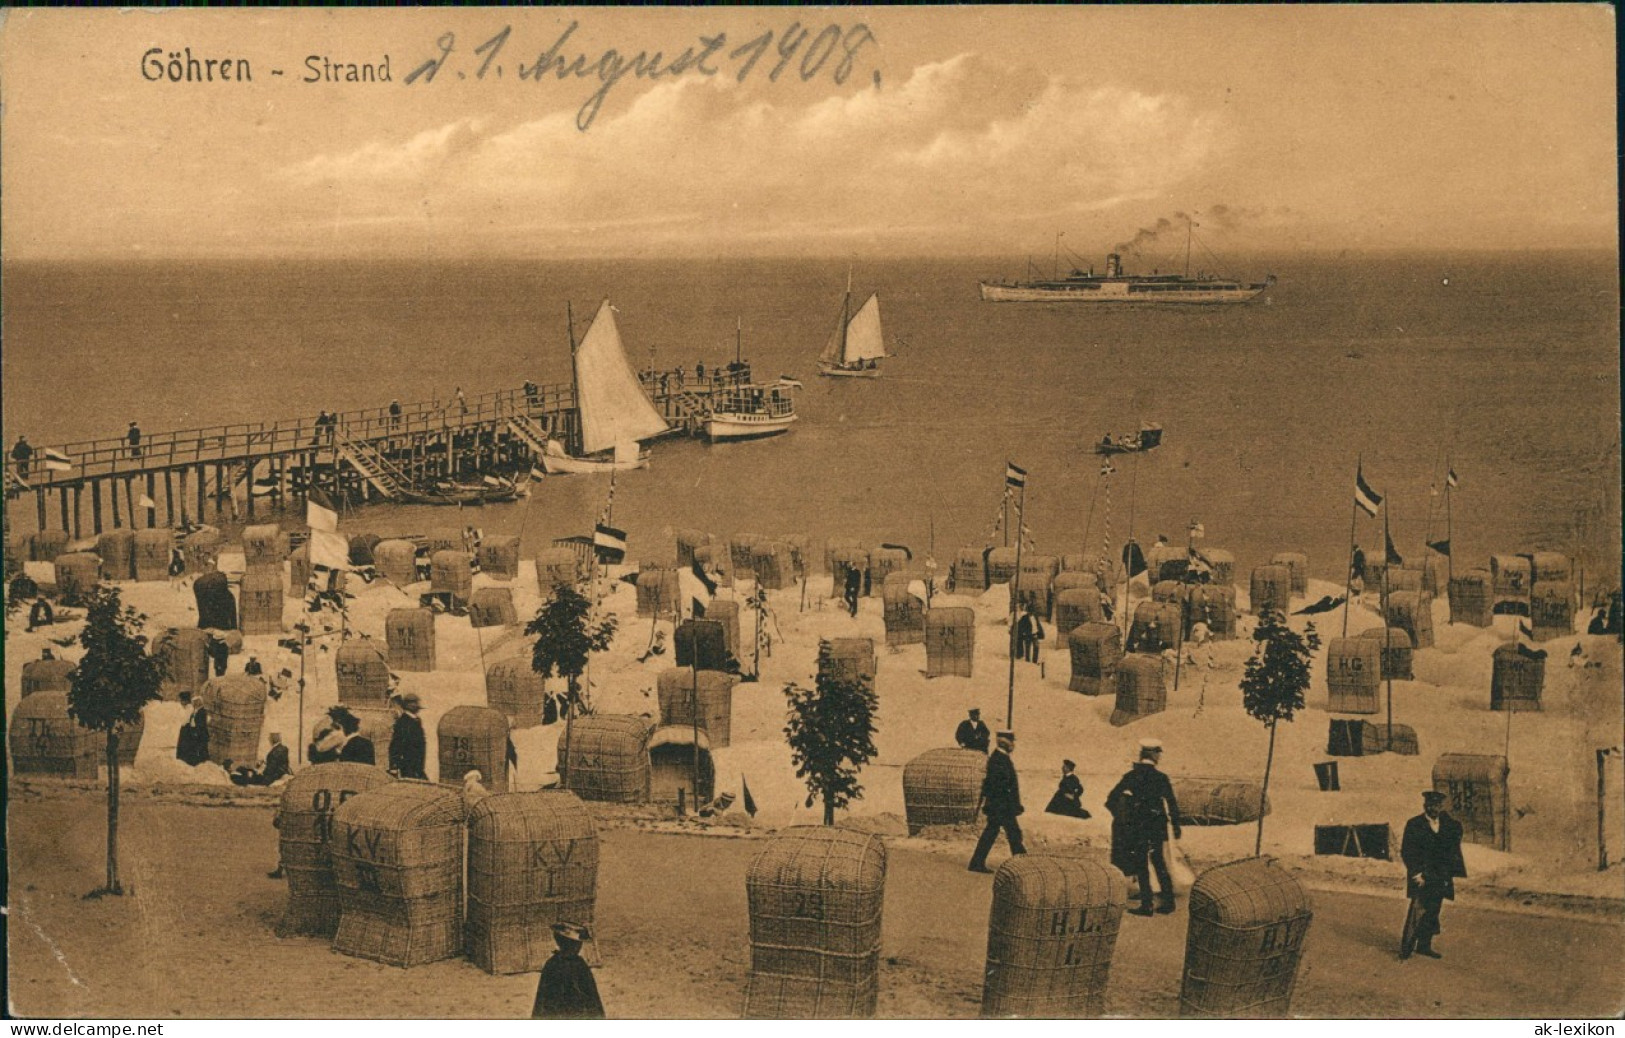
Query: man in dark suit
[[1029, 632], [1142, 804], [972, 733], [1001, 802], [407, 745], [1431, 851]]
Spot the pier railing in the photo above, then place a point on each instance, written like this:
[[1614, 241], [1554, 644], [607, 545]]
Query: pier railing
[[224, 444]]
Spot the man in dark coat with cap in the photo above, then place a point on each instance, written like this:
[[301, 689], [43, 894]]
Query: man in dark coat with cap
[[567, 990], [972, 733], [1142, 804], [1001, 802], [407, 745], [1431, 851]]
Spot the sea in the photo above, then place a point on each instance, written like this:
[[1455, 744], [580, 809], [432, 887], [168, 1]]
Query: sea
[[1502, 367]]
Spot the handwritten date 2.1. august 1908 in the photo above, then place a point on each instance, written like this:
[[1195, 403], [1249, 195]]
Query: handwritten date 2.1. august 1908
[[796, 49]]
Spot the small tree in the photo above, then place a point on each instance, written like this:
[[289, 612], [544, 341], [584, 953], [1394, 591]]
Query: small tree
[[113, 681], [831, 734], [1272, 688], [565, 637]]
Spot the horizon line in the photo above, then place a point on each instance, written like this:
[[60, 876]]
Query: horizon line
[[443, 256]]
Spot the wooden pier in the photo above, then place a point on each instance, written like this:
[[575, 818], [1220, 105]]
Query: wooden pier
[[364, 455]]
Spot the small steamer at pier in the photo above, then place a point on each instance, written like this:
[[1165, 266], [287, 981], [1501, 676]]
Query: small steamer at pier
[[751, 411]]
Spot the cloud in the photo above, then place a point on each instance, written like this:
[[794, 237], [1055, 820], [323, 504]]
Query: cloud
[[958, 147]]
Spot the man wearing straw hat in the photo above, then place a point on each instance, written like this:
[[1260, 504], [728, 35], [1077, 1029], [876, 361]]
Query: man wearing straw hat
[[566, 990], [1001, 802], [1431, 851], [1142, 805]]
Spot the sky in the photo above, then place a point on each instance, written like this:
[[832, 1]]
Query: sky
[[945, 131]]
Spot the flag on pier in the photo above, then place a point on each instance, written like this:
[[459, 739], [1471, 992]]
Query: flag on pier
[[1393, 557], [320, 514], [55, 460], [608, 543], [1450, 479], [1442, 547], [1015, 477], [1368, 500]]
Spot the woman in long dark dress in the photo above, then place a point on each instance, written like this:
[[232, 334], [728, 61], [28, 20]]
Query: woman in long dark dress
[[1068, 798], [566, 990], [192, 745]]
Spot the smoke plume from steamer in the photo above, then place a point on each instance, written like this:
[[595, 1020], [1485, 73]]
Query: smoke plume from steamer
[[1217, 216]]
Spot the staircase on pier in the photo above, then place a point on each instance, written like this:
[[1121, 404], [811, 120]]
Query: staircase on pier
[[384, 476], [529, 430]]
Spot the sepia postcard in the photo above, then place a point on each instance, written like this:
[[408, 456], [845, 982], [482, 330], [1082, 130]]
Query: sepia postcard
[[811, 513]]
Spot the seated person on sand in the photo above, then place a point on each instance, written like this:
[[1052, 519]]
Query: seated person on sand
[[40, 614], [272, 768], [1068, 798]]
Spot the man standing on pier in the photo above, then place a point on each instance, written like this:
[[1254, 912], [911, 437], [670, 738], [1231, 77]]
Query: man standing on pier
[[22, 454], [133, 438]]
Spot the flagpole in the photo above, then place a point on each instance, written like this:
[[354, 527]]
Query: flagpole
[[1128, 566], [1348, 576], [1015, 595], [1449, 540], [1184, 600], [1387, 539], [304, 651]]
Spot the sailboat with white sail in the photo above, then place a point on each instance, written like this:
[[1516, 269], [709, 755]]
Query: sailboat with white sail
[[616, 416], [856, 347]]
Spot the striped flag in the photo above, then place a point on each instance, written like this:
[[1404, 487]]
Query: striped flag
[[1368, 500], [320, 513], [1014, 476], [608, 543], [1450, 479], [55, 460]]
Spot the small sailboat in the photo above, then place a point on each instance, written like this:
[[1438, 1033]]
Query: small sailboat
[[750, 410], [856, 347], [615, 414]]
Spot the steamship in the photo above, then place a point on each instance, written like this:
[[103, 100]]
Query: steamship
[[1114, 286]]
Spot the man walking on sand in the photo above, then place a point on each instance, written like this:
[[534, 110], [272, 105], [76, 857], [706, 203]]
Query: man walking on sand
[[1431, 851], [1001, 802], [1142, 804]]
